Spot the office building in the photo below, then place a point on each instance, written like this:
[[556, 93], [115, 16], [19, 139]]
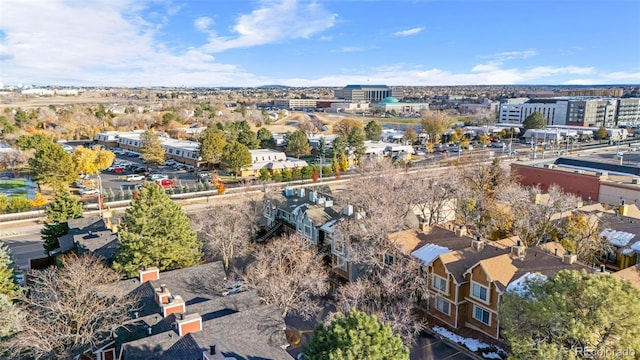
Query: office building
[[368, 93]]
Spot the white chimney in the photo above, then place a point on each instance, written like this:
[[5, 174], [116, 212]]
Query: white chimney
[[301, 193], [569, 258], [348, 210]]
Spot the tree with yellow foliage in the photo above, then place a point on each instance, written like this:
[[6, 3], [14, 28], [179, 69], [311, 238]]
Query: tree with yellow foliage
[[221, 188], [38, 201], [91, 161]]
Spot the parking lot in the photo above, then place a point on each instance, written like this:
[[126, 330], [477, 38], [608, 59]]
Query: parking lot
[[116, 181]]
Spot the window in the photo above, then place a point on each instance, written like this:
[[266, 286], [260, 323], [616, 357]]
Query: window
[[440, 284], [442, 305], [341, 263], [388, 260], [480, 292], [481, 315], [338, 245]]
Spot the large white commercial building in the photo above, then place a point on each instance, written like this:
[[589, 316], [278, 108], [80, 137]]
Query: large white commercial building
[[573, 111]]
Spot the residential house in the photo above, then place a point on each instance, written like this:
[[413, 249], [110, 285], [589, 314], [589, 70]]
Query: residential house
[[623, 232], [301, 210], [467, 276], [182, 314], [95, 235]]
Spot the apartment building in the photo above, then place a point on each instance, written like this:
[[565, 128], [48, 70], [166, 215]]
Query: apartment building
[[467, 276], [573, 111]]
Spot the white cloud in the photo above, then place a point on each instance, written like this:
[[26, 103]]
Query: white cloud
[[402, 74], [274, 22], [348, 49], [510, 55], [409, 32], [203, 23]]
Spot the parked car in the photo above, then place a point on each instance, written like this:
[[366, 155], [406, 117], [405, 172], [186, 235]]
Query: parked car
[[164, 182], [169, 162], [139, 170], [89, 191], [154, 177], [78, 184], [118, 170], [498, 145], [134, 177]]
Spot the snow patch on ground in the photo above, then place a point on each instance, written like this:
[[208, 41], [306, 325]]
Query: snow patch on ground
[[471, 344], [491, 355]]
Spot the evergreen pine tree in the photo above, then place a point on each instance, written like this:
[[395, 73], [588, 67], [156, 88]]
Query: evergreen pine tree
[[8, 283], [62, 208], [156, 232], [355, 336]]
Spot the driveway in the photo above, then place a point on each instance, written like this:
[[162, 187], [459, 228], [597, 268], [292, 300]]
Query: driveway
[[427, 347]]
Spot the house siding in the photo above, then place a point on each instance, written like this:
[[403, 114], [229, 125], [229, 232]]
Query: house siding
[[479, 276]]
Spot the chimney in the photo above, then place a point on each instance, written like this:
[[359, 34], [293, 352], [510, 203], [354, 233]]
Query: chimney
[[162, 295], [623, 209], [189, 323], [150, 274], [149, 330], [477, 244], [461, 230], [555, 251], [328, 203], [176, 305], [569, 258], [313, 197], [212, 349], [518, 249], [536, 199], [348, 210], [301, 192], [602, 268]]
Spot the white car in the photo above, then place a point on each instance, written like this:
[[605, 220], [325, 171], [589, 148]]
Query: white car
[[155, 177], [89, 191], [169, 162], [135, 177]]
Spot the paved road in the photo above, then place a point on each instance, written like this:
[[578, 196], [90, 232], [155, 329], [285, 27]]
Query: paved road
[[24, 247]]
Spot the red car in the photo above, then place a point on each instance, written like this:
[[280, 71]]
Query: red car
[[118, 170], [164, 182]]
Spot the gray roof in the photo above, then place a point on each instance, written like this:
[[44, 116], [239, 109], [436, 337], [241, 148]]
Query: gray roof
[[240, 325]]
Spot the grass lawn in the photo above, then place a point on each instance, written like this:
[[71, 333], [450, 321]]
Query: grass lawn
[[14, 188]]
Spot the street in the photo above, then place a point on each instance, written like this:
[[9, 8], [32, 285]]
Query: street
[[24, 241]]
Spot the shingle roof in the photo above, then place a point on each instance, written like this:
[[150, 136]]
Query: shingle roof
[[238, 324], [458, 262], [631, 274]]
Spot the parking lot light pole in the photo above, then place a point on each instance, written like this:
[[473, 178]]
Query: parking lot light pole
[[100, 195]]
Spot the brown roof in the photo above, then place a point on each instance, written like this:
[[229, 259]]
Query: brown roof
[[499, 269], [408, 240], [631, 274], [440, 235], [458, 262]]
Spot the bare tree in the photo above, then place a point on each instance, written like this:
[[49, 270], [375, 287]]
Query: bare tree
[[391, 293], [289, 273], [226, 231], [69, 310], [532, 220], [432, 196], [381, 204]]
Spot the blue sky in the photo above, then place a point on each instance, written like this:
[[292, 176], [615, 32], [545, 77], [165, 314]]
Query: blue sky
[[318, 43]]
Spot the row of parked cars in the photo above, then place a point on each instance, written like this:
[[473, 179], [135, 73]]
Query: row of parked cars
[[179, 166]]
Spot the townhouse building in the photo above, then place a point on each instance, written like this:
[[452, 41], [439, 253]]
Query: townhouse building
[[467, 276], [182, 314]]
